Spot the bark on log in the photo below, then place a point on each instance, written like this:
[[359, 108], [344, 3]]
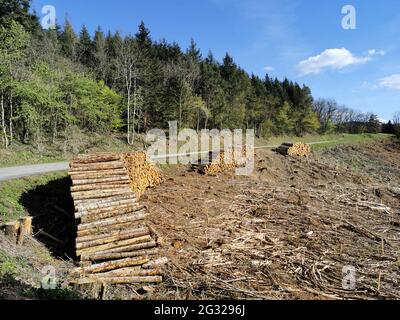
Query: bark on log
[[99, 186], [127, 272], [84, 209], [112, 214], [130, 280], [122, 280], [156, 263], [84, 206], [113, 256], [109, 234], [113, 245], [124, 236], [116, 227], [125, 249], [94, 174], [107, 209], [113, 221], [112, 265], [97, 166], [86, 159], [79, 182], [93, 195]]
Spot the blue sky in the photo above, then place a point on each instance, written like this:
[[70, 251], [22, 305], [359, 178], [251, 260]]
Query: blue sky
[[300, 39]]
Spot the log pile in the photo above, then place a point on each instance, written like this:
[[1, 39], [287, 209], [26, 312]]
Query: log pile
[[294, 149], [114, 243], [141, 172], [219, 162]]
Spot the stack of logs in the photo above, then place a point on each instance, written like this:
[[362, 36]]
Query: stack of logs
[[141, 172], [114, 243], [294, 149], [218, 162], [18, 230]]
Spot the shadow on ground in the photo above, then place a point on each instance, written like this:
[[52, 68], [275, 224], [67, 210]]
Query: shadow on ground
[[13, 289], [52, 209]]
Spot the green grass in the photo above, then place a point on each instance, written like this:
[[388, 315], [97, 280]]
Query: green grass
[[10, 265], [18, 154], [11, 192], [326, 141]]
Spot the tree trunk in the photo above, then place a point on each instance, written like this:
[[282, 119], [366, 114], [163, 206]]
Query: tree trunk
[[3, 123], [11, 116]]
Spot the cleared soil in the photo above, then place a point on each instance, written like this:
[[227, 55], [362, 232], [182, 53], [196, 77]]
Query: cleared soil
[[286, 232]]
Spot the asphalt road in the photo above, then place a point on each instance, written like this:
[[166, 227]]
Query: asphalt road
[[31, 170]]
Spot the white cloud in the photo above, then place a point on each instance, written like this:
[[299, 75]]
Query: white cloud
[[269, 68], [374, 52], [333, 59], [392, 82]]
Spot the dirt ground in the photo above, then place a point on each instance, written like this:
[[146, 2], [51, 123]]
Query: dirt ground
[[286, 232], [289, 231]]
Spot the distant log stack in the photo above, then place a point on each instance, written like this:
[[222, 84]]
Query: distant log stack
[[294, 149], [218, 162], [114, 243]]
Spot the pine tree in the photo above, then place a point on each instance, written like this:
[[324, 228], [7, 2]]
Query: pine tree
[[68, 41], [85, 48]]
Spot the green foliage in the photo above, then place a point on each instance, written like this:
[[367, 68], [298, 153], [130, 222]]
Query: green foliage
[[53, 81]]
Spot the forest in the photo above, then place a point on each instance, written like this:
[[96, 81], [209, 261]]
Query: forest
[[53, 82]]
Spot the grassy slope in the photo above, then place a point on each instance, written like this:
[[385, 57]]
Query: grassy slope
[[11, 192]]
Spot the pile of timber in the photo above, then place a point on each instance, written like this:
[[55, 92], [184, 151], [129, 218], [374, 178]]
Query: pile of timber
[[114, 243], [18, 230], [219, 162], [142, 173], [294, 149]]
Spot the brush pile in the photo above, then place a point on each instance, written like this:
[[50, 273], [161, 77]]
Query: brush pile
[[142, 173], [294, 149], [114, 243]]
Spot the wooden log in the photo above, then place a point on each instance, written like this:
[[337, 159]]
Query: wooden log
[[112, 265], [109, 208], [116, 238], [86, 174], [112, 214], [97, 166], [156, 263], [126, 272], [25, 229], [12, 230], [99, 186], [112, 221], [124, 249], [122, 255], [288, 144], [84, 209], [118, 227], [85, 205], [77, 182], [119, 280], [86, 159], [113, 245], [131, 280], [100, 195], [105, 235]]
